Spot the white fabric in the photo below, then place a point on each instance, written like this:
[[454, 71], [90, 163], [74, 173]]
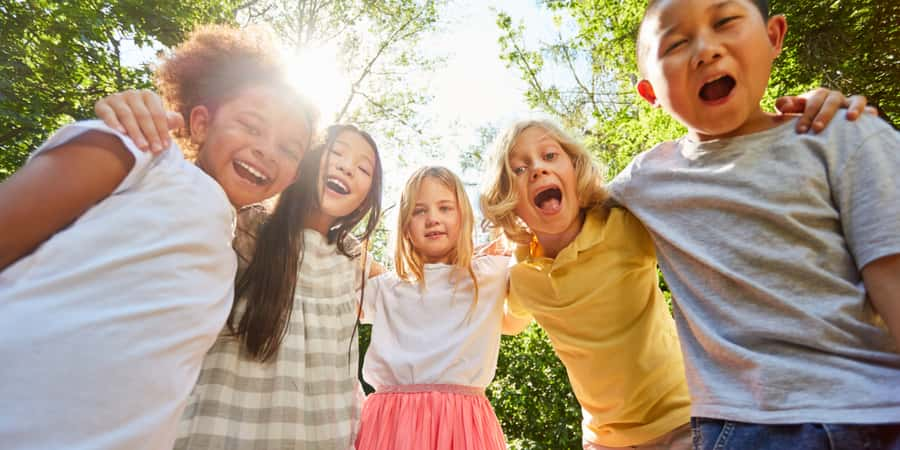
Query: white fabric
[[103, 328], [435, 335]]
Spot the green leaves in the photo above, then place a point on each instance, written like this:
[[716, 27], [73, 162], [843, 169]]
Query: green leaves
[[59, 57]]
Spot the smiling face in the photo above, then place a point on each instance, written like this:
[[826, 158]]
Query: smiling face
[[545, 183], [346, 175], [434, 226], [707, 63], [252, 145]]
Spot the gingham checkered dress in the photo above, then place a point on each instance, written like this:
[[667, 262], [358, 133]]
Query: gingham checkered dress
[[308, 396]]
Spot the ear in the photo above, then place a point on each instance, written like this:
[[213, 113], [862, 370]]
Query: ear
[[776, 28], [199, 122], [645, 90]]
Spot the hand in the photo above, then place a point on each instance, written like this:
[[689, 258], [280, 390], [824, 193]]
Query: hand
[[819, 106], [140, 114], [497, 247]]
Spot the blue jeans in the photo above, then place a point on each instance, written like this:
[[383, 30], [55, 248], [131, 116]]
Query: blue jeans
[[715, 434]]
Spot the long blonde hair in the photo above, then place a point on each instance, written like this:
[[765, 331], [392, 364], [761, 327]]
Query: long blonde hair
[[407, 262], [498, 197]]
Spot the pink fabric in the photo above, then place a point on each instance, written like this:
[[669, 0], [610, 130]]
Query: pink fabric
[[429, 417]]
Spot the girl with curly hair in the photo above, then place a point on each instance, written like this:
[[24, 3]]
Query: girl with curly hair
[[116, 267]]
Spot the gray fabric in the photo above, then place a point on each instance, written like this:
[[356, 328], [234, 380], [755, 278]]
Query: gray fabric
[[308, 397], [761, 239]]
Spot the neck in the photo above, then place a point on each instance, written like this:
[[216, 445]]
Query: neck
[[320, 222], [552, 244], [758, 120]]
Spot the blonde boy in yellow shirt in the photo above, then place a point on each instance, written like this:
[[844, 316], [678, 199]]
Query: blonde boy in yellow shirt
[[587, 273]]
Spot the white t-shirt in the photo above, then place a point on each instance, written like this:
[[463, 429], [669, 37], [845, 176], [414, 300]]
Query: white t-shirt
[[435, 336], [103, 328]]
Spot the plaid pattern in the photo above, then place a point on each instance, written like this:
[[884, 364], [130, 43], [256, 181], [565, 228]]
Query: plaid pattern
[[308, 396]]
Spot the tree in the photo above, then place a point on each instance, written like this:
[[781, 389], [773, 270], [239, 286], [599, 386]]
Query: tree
[[378, 49], [59, 57]]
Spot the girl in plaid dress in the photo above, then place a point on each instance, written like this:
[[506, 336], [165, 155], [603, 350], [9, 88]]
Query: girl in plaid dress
[[436, 328], [283, 373]]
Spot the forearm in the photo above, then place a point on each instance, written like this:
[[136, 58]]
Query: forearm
[[882, 280], [55, 188], [511, 324]]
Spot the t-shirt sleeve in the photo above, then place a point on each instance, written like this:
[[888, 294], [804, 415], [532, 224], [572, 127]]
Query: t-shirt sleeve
[[371, 298], [142, 160], [867, 191]]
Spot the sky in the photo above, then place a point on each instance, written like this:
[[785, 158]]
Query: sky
[[472, 88]]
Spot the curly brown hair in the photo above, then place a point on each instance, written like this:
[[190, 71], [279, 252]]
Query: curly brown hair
[[215, 64]]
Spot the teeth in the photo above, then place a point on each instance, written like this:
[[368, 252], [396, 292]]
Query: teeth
[[339, 183], [252, 170]]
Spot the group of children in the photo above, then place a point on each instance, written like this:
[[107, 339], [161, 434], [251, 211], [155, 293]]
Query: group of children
[[781, 249]]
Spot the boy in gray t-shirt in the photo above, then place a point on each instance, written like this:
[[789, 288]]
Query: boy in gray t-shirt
[[782, 249]]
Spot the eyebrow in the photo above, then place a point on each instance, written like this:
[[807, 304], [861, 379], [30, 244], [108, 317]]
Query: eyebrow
[[671, 29]]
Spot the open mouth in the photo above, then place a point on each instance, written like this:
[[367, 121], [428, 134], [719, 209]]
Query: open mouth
[[434, 234], [717, 89], [548, 200], [250, 173], [337, 186]]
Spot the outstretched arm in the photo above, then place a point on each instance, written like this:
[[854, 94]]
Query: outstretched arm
[[55, 188], [882, 280], [513, 325]]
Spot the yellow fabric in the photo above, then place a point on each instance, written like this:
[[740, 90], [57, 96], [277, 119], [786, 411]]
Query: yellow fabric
[[600, 304]]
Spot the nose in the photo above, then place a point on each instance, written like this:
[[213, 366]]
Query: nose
[[537, 170], [265, 148], [342, 165], [707, 49]]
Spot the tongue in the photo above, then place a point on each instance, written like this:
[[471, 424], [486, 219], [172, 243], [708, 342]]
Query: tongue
[[550, 205], [717, 89]]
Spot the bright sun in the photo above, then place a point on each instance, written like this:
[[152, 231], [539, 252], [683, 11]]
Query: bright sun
[[315, 72]]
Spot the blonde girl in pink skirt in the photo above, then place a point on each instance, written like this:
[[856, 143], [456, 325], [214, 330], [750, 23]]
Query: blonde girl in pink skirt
[[436, 326]]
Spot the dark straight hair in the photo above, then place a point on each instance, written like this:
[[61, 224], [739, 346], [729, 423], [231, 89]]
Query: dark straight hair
[[267, 286]]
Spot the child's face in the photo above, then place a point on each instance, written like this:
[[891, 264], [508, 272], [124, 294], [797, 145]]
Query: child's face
[[346, 175], [251, 146], [435, 223], [545, 183], [707, 63]]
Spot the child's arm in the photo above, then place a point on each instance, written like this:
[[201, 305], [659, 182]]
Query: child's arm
[[513, 325], [882, 280], [55, 188], [140, 114]]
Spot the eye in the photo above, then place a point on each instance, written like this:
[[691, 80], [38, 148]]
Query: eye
[[292, 152], [252, 129], [674, 46], [365, 170], [518, 170], [446, 208], [550, 156], [418, 211], [722, 22]]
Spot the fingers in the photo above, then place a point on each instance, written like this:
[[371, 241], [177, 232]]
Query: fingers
[[815, 99], [105, 112], [790, 105], [140, 115], [871, 110], [174, 120], [856, 106], [833, 102], [158, 121]]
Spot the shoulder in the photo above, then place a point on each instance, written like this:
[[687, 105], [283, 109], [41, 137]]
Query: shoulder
[[660, 154]]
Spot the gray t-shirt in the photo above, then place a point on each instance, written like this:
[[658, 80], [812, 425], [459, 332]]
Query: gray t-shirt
[[761, 239]]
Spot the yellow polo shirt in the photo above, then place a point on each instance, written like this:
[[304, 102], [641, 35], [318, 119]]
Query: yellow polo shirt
[[600, 304]]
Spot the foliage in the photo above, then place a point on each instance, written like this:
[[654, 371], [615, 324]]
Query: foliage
[[58, 57], [851, 46], [531, 394]]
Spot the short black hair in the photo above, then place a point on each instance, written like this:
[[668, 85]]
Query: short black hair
[[761, 5]]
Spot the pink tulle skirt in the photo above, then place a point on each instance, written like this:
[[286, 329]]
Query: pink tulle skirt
[[429, 417]]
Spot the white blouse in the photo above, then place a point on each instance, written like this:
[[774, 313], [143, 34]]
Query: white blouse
[[435, 335]]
